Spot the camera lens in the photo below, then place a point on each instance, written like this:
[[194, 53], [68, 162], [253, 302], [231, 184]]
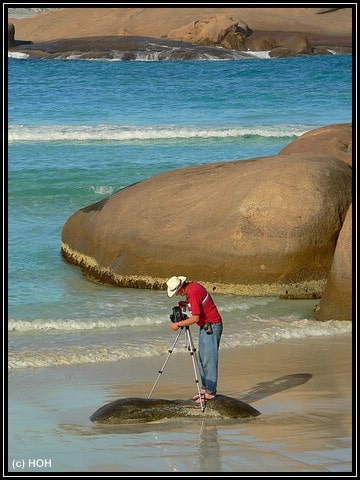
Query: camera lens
[[177, 315]]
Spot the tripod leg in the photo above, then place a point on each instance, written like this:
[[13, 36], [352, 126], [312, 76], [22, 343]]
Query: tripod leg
[[164, 364], [195, 364]]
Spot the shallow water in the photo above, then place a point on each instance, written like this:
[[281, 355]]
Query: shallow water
[[305, 422]]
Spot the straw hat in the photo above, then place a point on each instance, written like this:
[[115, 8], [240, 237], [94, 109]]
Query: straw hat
[[174, 283]]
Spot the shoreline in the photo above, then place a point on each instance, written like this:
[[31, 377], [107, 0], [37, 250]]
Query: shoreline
[[302, 389], [240, 369], [57, 28]]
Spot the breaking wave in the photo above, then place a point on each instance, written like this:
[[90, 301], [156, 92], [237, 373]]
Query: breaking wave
[[119, 133]]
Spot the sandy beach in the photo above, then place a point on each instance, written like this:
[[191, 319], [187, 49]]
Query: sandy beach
[[303, 389]]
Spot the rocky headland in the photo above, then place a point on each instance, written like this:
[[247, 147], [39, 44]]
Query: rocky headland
[[190, 33]]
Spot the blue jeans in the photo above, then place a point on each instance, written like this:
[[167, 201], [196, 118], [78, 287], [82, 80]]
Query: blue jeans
[[209, 356]]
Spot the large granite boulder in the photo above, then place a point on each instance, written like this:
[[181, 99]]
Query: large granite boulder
[[333, 139], [336, 301], [265, 226], [219, 29]]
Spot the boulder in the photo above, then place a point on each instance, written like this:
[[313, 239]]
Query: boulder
[[259, 226], [289, 45], [333, 139], [11, 35], [336, 302], [218, 30], [262, 44], [12, 43], [296, 43]]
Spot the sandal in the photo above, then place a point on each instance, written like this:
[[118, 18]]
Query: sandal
[[202, 393], [205, 398]]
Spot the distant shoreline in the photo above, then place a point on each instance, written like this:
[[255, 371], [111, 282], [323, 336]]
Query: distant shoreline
[[332, 28]]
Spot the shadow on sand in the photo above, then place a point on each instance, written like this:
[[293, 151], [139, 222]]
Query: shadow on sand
[[265, 389]]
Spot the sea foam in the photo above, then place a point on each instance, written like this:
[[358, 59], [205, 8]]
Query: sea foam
[[120, 133]]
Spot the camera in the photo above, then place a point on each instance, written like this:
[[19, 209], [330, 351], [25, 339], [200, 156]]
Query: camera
[[177, 315]]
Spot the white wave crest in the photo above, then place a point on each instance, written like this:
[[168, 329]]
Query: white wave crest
[[46, 358], [284, 330], [26, 326], [18, 55], [276, 331], [119, 133], [103, 189]]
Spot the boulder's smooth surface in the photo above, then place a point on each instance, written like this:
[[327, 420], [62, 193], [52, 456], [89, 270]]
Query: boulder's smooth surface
[[143, 410], [336, 301], [333, 139], [260, 226]]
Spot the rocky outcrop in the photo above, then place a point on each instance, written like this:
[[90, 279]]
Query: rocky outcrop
[[336, 301], [291, 32], [293, 44], [262, 226], [124, 47], [218, 30], [11, 35], [333, 140], [127, 48], [331, 28], [12, 43]]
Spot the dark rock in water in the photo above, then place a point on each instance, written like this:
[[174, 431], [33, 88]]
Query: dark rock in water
[[143, 410], [129, 48]]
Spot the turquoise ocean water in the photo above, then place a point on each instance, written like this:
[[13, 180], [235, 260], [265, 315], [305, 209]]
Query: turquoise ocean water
[[79, 131]]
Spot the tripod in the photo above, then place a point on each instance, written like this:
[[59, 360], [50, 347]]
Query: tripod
[[192, 350]]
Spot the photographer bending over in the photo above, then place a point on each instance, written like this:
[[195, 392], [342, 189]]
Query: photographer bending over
[[205, 314]]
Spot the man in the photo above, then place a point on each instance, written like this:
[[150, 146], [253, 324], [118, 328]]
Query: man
[[205, 314]]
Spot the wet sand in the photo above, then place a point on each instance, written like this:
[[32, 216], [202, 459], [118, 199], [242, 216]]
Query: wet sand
[[303, 389]]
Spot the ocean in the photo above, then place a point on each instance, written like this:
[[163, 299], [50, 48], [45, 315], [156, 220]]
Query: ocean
[[80, 130]]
